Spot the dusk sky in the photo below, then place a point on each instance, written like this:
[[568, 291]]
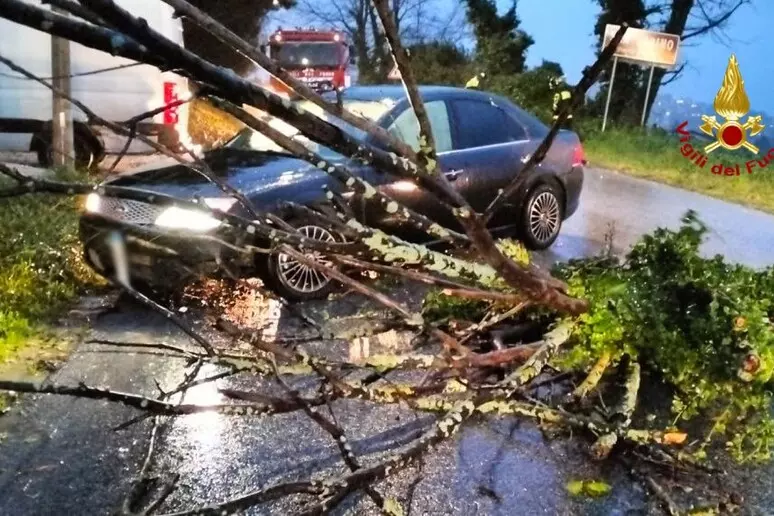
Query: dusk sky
[[562, 30]]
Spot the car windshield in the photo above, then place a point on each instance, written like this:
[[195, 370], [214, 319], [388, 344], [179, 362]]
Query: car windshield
[[248, 139], [302, 55]]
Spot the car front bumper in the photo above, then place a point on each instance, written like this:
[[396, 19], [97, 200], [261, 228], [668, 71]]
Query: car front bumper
[[163, 259]]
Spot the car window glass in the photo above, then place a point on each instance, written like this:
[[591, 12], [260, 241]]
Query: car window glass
[[535, 127], [515, 129], [483, 123], [254, 140], [406, 126]]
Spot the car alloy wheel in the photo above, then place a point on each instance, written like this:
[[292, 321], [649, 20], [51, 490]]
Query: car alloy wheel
[[299, 277], [544, 216]]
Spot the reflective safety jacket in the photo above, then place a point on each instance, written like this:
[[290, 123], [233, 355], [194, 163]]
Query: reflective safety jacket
[[561, 99], [473, 83]]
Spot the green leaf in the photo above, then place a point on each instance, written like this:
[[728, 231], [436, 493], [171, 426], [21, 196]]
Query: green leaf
[[575, 487], [591, 488], [597, 488], [392, 507]]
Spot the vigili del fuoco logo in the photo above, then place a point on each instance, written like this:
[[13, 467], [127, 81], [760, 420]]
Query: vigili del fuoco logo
[[731, 104]]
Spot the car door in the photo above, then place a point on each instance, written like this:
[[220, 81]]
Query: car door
[[403, 125], [489, 146]]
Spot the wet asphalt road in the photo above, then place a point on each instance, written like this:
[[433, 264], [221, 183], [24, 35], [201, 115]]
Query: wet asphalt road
[[59, 455]]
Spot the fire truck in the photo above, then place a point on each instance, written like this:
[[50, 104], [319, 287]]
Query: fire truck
[[322, 59]]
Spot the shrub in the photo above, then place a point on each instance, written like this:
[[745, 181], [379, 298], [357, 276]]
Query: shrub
[[703, 325]]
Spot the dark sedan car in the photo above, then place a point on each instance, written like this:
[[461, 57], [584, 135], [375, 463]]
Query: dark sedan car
[[482, 141]]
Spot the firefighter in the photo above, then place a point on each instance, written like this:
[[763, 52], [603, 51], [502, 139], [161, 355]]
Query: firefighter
[[562, 98], [475, 82]]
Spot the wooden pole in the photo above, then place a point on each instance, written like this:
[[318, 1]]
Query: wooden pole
[[62, 119]]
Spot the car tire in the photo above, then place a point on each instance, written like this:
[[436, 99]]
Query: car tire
[[292, 280], [86, 156], [541, 217]]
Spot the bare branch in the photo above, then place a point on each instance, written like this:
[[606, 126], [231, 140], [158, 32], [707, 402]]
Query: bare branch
[[231, 39], [710, 22]]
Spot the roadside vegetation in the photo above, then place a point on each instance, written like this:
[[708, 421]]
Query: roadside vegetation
[[698, 329], [41, 270], [655, 154]]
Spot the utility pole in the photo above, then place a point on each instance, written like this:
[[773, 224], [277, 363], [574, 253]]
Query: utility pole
[[62, 115]]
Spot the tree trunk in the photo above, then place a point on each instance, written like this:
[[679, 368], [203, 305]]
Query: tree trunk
[[678, 18]]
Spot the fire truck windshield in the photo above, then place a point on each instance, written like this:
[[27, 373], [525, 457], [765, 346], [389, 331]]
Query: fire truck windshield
[[307, 54]]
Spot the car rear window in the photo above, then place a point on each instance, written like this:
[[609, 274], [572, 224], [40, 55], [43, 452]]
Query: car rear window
[[534, 126], [481, 123]]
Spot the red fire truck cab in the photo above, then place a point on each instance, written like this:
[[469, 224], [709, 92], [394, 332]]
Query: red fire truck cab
[[319, 58]]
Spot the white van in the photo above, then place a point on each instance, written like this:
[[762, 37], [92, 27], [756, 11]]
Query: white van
[[116, 95]]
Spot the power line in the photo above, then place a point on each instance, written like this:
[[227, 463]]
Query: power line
[[82, 74]]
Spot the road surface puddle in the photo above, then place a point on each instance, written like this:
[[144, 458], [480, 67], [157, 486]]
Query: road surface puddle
[[206, 429]]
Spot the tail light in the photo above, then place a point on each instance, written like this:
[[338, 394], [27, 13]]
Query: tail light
[[170, 95], [578, 156]]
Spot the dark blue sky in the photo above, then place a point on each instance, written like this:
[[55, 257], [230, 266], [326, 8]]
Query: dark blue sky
[[562, 30]]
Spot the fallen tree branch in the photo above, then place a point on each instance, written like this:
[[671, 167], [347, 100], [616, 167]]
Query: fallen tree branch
[[131, 133], [335, 431], [590, 75], [412, 319], [338, 172], [594, 376], [540, 287], [226, 36]]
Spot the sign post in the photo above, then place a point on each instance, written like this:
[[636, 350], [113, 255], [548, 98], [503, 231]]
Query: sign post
[[647, 96], [609, 92], [639, 46]]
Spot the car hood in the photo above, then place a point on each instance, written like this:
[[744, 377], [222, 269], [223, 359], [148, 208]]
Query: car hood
[[250, 172]]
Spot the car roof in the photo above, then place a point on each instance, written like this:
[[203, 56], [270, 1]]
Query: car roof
[[396, 93]]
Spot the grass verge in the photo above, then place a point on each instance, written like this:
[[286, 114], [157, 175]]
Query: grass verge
[[656, 155], [41, 273]]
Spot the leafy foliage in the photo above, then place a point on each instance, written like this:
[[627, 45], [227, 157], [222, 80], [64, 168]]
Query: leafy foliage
[[500, 45], [530, 89], [591, 488], [438, 306], [40, 264], [440, 63], [704, 325], [243, 17], [210, 127]]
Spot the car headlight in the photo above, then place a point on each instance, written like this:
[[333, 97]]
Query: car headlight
[[93, 203], [193, 219]]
